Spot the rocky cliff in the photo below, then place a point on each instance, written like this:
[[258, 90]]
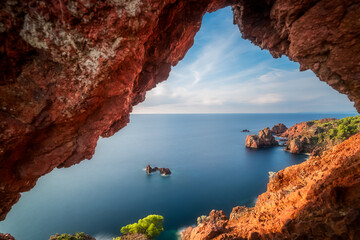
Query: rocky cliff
[[319, 135], [317, 199], [73, 69]]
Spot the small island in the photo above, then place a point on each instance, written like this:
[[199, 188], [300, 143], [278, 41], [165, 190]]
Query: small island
[[163, 171], [264, 139]]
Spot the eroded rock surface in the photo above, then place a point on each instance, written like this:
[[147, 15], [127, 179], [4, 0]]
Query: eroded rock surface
[[264, 139], [73, 69], [208, 228], [278, 129], [317, 199]]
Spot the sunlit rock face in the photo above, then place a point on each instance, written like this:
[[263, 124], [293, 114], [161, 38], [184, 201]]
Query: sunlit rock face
[[71, 70], [317, 199]]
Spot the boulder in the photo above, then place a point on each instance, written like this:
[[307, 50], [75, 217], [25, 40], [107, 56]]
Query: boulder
[[252, 141], [212, 226]]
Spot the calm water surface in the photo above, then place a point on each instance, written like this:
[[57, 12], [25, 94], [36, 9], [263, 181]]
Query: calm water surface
[[211, 168]]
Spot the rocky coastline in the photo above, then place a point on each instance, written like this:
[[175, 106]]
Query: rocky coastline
[[317, 199], [311, 137]]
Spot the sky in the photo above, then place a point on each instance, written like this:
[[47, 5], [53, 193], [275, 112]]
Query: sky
[[223, 73]]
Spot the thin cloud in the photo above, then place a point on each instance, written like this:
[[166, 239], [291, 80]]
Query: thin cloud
[[223, 73]]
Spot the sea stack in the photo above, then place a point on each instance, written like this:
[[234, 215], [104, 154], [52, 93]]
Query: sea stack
[[163, 171], [264, 139]]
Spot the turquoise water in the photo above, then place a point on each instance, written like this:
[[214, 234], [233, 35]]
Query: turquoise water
[[211, 169]]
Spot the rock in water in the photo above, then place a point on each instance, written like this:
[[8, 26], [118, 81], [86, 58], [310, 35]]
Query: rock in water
[[245, 130], [264, 139], [252, 141], [278, 128], [149, 169], [163, 171]]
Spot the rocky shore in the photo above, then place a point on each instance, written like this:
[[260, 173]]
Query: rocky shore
[[315, 137], [311, 137], [317, 199]]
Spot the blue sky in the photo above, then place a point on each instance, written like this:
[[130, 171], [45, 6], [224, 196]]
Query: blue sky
[[223, 73]]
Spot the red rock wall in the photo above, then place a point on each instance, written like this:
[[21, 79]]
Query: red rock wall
[[71, 72], [73, 69], [322, 35]]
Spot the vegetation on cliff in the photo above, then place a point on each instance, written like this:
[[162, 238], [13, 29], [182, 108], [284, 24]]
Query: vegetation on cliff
[[339, 129], [151, 226], [76, 236], [319, 135]]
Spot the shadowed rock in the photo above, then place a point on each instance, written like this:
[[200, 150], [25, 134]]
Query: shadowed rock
[[163, 171]]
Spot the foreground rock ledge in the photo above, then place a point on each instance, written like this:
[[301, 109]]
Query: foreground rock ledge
[[317, 199], [71, 70]]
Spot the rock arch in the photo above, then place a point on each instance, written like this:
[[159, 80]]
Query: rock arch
[[73, 69]]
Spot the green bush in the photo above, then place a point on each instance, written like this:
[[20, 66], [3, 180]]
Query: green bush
[[150, 225], [340, 129], [65, 236]]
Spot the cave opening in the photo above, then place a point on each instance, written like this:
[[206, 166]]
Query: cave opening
[[202, 89]]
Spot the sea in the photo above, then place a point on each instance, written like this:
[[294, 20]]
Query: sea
[[211, 169]]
